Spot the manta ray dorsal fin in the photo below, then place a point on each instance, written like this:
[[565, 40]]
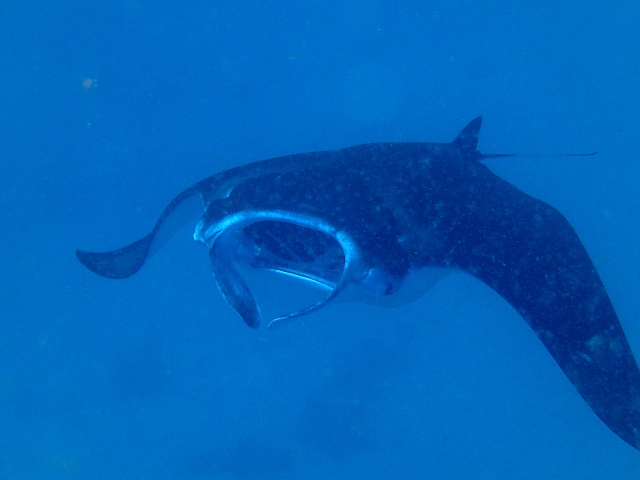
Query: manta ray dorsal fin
[[467, 139]]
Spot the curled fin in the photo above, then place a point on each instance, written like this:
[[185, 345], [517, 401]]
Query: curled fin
[[121, 263], [125, 261], [230, 283]]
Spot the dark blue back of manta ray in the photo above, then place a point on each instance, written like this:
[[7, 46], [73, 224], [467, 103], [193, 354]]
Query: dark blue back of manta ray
[[528, 252], [521, 247]]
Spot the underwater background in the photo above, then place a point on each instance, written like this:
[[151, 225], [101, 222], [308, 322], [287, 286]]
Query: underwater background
[[109, 109]]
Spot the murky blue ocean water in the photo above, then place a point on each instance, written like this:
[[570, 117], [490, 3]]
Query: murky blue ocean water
[[107, 110]]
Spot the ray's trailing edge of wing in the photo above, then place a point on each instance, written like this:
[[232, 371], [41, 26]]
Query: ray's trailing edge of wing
[[120, 263], [128, 260]]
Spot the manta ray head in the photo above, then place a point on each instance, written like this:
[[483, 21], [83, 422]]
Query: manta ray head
[[224, 234]]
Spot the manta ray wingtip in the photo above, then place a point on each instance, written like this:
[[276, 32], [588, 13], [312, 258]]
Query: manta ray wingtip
[[117, 264]]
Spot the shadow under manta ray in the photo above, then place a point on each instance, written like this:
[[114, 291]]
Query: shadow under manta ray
[[370, 217]]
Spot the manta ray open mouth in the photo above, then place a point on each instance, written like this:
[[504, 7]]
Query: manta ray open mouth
[[221, 233], [289, 248]]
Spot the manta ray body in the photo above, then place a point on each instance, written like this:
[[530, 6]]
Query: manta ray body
[[372, 216]]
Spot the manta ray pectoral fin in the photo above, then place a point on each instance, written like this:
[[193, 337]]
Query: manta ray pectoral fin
[[121, 263], [528, 253], [126, 261]]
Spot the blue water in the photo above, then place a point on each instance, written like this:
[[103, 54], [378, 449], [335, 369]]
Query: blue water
[[109, 109]]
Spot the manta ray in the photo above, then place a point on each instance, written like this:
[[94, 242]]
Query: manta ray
[[372, 218]]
